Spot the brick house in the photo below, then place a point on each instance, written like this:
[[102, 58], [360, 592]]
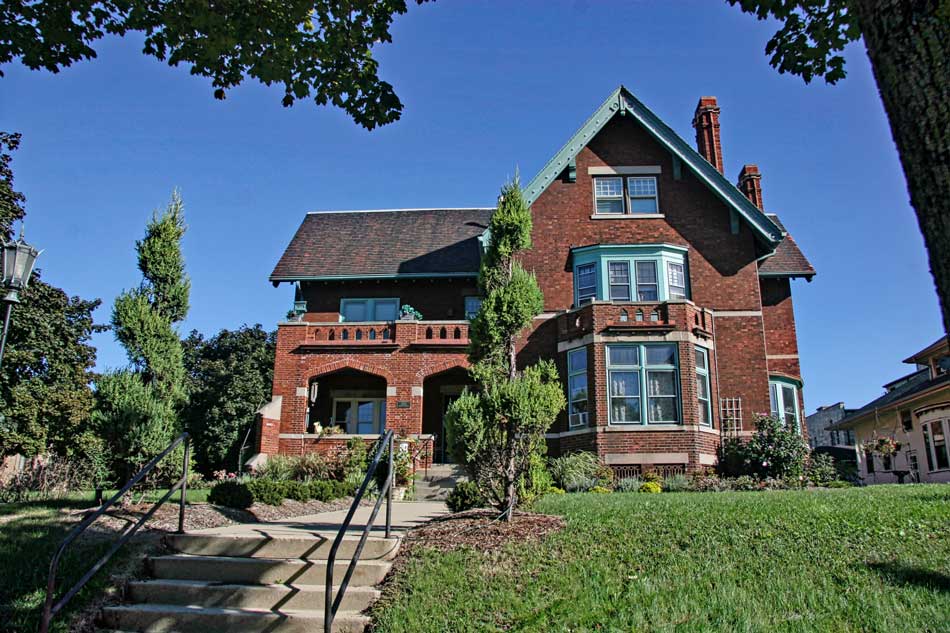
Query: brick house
[[915, 411], [668, 305]]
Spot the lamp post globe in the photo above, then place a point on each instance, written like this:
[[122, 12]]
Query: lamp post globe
[[18, 261]]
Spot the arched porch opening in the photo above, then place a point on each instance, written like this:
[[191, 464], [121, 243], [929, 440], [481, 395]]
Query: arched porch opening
[[438, 392], [349, 400]]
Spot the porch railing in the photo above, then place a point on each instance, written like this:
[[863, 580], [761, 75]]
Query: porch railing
[[49, 608], [331, 604]]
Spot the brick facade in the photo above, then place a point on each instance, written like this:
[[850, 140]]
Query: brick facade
[[744, 321]]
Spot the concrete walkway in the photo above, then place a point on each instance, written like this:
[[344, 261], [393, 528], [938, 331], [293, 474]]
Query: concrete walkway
[[406, 515]]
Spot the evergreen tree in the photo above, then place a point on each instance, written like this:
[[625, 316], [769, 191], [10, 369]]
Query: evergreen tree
[[137, 407], [498, 430], [45, 394]]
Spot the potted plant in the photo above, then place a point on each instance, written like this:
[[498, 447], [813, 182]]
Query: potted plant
[[408, 313]]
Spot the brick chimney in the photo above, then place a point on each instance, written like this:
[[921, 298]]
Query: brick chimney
[[706, 123], [750, 184]]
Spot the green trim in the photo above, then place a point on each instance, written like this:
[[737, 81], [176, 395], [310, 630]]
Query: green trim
[[396, 276], [660, 246], [621, 101], [795, 382], [642, 369], [661, 255], [370, 307]]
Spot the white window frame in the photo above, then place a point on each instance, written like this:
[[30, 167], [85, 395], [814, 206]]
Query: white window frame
[[643, 370], [777, 402], [702, 374], [582, 419], [579, 298], [674, 296], [930, 447], [610, 284], [472, 305], [351, 425], [639, 196], [370, 308], [618, 197], [656, 276]]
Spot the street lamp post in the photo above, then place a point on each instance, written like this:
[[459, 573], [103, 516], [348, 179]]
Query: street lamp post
[[18, 260]]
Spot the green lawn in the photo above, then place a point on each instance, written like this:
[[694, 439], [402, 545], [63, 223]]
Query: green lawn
[[868, 559]]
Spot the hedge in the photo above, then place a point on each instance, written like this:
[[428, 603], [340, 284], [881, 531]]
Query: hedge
[[241, 494]]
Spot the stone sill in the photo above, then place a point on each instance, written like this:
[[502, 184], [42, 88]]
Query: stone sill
[[627, 216]]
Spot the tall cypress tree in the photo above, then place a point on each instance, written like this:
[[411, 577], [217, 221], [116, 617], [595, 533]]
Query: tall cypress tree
[[498, 430], [137, 408]]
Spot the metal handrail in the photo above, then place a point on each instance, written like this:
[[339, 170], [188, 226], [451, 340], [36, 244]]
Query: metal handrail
[[331, 605], [50, 609]]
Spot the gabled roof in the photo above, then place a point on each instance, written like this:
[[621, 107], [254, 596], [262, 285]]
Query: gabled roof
[[788, 260], [914, 384], [923, 356], [384, 244], [621, 102]]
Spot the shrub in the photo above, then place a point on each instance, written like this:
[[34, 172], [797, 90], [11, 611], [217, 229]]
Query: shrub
[[231, 494], [745, 482], [465, 496], [628, 484], [676, 483], [653, 476], [52, 477], [600, 490], [570, 469], [267, 491], [554, 490], [651, 487], [580, 484], [536, 479], [402, 465], [821, 469], [297, 490], [277, 468], [311, 467], [772, 451], [711, 483]]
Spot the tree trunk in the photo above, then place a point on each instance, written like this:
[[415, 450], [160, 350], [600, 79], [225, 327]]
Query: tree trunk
[[908, 43]]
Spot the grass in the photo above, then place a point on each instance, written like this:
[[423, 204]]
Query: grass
[[863, 559], [29, 535]]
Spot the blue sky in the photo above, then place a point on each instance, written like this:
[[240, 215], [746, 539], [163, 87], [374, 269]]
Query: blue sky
[[488, 87]]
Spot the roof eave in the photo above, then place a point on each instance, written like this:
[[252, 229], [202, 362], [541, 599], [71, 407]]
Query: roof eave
[[276, 279], [622, 101]]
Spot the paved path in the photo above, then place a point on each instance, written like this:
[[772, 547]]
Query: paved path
[[405, 515]]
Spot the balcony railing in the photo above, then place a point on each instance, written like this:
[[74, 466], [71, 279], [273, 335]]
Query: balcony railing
[[363, 333], [441, 333], [632, 317], [375, 334]]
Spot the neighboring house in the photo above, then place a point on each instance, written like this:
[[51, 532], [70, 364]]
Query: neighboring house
[[667, 304], [820, 436], [915, 411]]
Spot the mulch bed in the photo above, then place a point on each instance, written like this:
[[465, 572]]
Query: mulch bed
[[481, 530]]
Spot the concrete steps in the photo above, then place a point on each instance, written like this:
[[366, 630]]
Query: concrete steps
[[438, 482], [249, 584]]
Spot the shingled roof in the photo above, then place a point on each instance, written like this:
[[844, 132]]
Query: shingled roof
[[909, 386], [387, 243], [788, 260]]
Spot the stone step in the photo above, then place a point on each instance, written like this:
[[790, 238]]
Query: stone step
[[164, 618], [263, 571], [224, 595], [313, 547]]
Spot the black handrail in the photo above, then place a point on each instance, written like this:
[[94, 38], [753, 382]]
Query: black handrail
[[50, 609], [331, 605]]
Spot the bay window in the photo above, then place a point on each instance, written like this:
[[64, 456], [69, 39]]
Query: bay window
[[369, 309], [643, 385], [630, 273], [783, 400], [935, 444], [577, 387]]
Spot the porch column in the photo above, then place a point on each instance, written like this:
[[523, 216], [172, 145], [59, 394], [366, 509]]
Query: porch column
[[404, 409]]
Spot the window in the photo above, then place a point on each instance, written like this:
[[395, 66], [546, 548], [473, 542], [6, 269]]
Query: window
[[619, 280], [676, 274], [472, 305], [608, 195], [635, 195], [783, 398], [907, 420], [647, 286], [869, 462], [702, 386], [637, 370], [577, 387], [642, 193], [935, 444], [886, 462], [368, 309], [586, 282], [360, 415]]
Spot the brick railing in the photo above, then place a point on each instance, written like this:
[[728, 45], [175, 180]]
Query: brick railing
[[603, 316], [441, 333], [334, 334], [383, 333]]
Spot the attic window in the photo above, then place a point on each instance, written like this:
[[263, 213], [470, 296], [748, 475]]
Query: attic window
[[635, 195]]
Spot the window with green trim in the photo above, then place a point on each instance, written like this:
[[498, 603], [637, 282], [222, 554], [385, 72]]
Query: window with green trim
[[586, 282], [630, 273], [577, 387], [643, 385], [783, 398], [702, 387], [369, 309]]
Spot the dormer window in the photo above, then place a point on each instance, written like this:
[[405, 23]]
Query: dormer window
[[634, 195]]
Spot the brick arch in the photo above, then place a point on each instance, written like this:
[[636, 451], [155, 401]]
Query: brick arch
[[350, 363], [441, 366]]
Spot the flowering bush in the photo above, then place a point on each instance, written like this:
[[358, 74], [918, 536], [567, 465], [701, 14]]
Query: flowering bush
[[651, 487], [773, 451]]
